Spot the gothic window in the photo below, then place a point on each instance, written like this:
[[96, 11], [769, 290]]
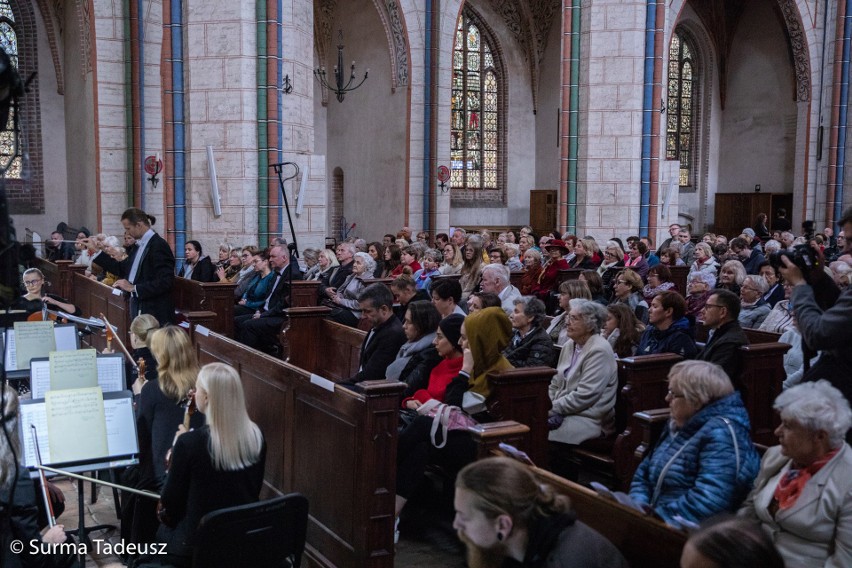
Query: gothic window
[[681, 107], [9, 43], [476, 107]]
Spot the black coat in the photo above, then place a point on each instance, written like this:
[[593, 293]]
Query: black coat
[[333, 279], [416, 372], [724, 350], [280, 299], [154, 278], [380, 351], [534, 350], [204, 271]]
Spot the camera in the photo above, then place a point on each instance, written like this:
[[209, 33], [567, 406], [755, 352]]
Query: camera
[[803, 256]]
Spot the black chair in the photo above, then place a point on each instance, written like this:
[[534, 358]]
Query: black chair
[[268, 533]]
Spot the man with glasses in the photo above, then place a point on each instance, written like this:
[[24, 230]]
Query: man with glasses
[[674, 229], [726, 336]]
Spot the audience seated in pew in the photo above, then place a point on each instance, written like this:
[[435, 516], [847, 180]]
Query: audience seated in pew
[[506, 518], [556, 250], [448, 347], [659, 280], [495, 280], [627, 289], [345, 298], [446, 296], [794, 358], [530, 346], [532, 271], [213, 467], [327, 265], [730, 543], [247, 259], [705, 462], [568, 290], [482, 337], [723, 348], [405, 291], [584, 387], [333, 280], [471, 267], [803, 494], [780, 318], [197, 265], [668, 329], [776, 291], [753, 308], [699, 287], [258, 287], [418, 356], [259, 330], [385, 337], [622, 330], [431, 261], [481, 300]]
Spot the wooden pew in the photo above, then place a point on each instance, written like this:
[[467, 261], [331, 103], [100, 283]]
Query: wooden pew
[[679, 275], [94, 298], [305, 293], [59, 274], [754, 335], [520, 394], [337, 448], [644, 541], [515, 278], [568, 274], [218, 297]]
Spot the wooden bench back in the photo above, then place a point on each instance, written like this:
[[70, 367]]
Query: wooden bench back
[[754, 335], [679, 275], [642, 540], [305, 293], [94, 298], [218, 297], [337, 448]]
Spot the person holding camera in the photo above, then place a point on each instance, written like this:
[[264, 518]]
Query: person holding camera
[[825, 325]]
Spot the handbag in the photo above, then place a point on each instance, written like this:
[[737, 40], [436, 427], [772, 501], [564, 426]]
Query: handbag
[[473, 403], [446, 418]]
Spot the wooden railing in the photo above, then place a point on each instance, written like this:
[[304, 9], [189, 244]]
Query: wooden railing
[[217, 297]]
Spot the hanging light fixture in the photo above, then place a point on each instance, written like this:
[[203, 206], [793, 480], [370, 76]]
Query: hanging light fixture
[[339, 88]]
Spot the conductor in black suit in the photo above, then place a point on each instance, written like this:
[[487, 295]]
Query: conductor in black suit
[[149, 273], [259, 330]]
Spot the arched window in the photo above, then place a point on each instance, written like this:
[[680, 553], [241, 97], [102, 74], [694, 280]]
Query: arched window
[[681, 107], [476, 147], [9, 43]]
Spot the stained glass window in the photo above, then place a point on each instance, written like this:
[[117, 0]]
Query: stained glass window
[[681, 107], [474, 110], [9, 43]]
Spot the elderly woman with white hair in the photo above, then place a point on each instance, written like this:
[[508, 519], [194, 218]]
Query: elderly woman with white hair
[[803, 494], [754, 308], [705, 462], [348, 311], [699, 287], [583, 389], [704, 260]]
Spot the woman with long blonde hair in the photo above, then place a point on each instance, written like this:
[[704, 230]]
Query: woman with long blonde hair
[[219, 465]]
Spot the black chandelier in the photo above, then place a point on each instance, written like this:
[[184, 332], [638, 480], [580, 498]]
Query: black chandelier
[[339, 88]]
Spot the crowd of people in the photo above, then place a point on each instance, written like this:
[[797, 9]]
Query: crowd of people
[[442, 314]]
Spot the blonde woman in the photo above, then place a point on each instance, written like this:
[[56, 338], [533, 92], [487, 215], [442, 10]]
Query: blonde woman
[[213, 467], [142, 328]]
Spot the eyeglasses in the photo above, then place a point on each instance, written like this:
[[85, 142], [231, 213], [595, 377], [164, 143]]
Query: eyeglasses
[[749, 288], [31, 282], [675, 395]]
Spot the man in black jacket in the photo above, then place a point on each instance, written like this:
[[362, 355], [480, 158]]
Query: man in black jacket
[[149, 274], [385, 337], [723, 347], [260, 330]]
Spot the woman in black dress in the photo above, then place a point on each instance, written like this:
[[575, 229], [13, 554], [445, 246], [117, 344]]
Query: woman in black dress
[[36, 298], [219, 465]]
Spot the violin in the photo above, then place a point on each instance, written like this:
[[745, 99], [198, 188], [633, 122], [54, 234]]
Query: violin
[[189, 408]]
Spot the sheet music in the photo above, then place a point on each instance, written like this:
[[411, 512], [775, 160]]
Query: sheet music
[[76, 369], [110, 375], [33, 339], [76, 424], [65, 337], [120, 428]]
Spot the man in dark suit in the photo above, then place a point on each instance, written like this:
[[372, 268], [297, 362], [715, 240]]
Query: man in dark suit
[[723, 347], [149, 273], [260, 329], [385, 337]]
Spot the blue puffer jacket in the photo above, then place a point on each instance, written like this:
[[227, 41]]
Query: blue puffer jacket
[[675, 339], [693, 472]]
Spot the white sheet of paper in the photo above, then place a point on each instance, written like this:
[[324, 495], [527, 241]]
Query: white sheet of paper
[[110, 375], [322, 382], [116, 292], [65, 337], [33, 339], [76, 425], [202, 330], [73, 369]]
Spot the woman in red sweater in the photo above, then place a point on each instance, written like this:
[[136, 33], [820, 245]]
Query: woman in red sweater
[[447, 344]]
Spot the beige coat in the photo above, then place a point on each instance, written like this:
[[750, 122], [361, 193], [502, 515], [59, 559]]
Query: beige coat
[[586, 396], [817, 530]]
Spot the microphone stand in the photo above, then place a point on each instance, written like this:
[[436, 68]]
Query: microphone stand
[[278, 169]]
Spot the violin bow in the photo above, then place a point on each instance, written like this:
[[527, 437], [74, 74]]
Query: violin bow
[[120, 343]]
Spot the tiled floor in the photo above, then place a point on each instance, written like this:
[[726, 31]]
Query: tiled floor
[[426, 542]]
